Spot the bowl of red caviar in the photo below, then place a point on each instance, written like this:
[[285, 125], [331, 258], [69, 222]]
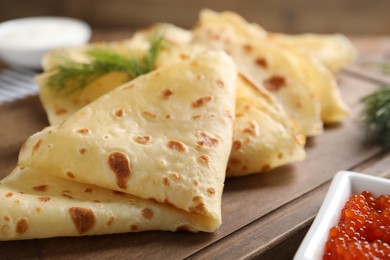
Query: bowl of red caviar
[[353, 221]]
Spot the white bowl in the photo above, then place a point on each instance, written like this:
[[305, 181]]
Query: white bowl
[[343, 185], [23, 42]]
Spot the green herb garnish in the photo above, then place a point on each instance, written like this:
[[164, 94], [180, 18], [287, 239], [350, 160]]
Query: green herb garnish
[[377, 114], [70, 76]]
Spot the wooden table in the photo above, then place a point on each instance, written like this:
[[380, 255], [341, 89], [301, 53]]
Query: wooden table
[[264, 216]]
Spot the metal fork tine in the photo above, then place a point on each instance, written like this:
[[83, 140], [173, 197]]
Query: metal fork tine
[[16, 83]]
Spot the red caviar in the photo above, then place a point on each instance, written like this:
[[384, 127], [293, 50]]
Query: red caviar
[[363, 231]]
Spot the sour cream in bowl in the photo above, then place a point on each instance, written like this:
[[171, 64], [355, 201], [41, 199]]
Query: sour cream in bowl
[[23, 42]]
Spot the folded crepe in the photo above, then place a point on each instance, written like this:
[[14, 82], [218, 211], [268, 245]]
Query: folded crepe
[[333, 50], [265, 136], [151, 154], [299, 82]]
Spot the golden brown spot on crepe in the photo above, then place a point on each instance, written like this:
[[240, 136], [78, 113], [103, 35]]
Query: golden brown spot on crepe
[[82, 150], [44, 199], [142, 139], [183, 56], [196, 182], [201, 101], [70, 175], [67, 196], [299, 103], [60, 111], [220, 83], [119, 112], [96, 201], [83, 219], [175, 176], [165, 181], [83, 131], [234, 161], [196, 116], [75, 101], [21, 226], [247, 47], [177, 145], [36, 146], [248, 139], [199, 207], [275, 83], [200, 76], [17, 202], [236, 144], [40, 187], [265, 168], [38, 209], [120, 164], [168, 116], [211, 191], [166, 93], [251, 129], [110, 221], [262, 62], [207, 141], [147, 213], [9, 195], [148, 114], [6, 218], [204, 159], [134, 227], [88, 190], [280, 155]]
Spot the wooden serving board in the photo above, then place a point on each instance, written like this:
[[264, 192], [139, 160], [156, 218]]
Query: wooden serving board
[[264, 216]]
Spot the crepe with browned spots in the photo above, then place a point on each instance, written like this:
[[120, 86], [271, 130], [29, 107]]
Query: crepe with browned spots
[[134, 159]]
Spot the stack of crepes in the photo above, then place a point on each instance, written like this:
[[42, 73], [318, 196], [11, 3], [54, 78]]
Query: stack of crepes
[[226, 98]]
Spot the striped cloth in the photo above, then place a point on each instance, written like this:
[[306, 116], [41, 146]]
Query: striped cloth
[[16, 83]]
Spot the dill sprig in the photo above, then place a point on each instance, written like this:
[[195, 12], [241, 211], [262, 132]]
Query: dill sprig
[[377, 114], [70, 76]]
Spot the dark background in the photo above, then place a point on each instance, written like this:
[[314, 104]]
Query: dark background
[[357, 17]]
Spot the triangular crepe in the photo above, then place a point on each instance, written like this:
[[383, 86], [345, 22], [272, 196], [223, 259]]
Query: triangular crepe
[[298, 82], [264, 137], [164, 138]]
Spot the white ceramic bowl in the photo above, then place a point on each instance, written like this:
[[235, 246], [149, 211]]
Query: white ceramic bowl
[[23, 42], [343, 185]]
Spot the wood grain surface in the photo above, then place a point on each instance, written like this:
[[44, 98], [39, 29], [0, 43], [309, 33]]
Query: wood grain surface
[[264, 216]]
